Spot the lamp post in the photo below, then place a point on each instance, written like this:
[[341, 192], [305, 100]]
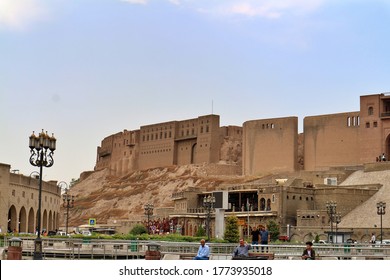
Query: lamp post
[[148, 212], [68, 202], [331, 210], [381, 210], [208, 204], [42, 148]]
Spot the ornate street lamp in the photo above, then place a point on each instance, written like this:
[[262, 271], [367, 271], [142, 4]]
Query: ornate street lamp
[[42, 148], [68, 202], [331, 210], [381, 210], [208, 204], [148, 212]]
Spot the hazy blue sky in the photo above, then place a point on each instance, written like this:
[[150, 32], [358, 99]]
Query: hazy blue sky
[[84, 70]]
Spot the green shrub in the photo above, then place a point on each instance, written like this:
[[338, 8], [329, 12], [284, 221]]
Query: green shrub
[[201, 232], [138, 229]]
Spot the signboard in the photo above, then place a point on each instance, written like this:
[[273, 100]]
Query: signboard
[[92, 221]]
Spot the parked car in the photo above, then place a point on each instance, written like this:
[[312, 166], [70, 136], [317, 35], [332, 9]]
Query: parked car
[[284, 238], [320, 242], [86, 233], [384, 242]]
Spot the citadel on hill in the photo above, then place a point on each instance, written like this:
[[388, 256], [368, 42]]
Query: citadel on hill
[[259, 146]]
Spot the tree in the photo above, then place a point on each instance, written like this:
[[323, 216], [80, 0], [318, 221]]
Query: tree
[[231, 231], [73, 182], [273, 229], [200, 232]]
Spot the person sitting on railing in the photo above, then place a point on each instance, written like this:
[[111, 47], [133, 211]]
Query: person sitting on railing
[[309, 253], [203, 251], [241, 250]]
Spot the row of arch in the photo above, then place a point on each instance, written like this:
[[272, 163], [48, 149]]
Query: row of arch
[[27, 221]]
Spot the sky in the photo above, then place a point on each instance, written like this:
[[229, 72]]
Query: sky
[[86, 69]]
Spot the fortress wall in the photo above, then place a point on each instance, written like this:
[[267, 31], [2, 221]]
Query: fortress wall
[[373, 129], [157, 145], [347, 198], [331, 140], [210, 152], [232, 132], [270, 145]]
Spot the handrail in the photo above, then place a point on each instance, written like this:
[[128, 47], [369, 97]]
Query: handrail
[[98, 248]]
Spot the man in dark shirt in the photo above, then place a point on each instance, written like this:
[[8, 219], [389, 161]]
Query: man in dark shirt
[[309, 253], [256, 238]]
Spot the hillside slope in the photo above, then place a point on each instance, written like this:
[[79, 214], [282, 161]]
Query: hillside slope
[[106, 197]]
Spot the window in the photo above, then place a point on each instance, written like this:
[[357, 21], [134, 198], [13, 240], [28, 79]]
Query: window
[[349, 121], [370, 111], [375, 124], [13, 192], [367, 125]]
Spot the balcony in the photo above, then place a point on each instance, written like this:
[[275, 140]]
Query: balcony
[[385, 115]]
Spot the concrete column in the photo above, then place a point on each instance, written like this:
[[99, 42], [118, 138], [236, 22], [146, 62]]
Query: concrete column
[[219, 223]]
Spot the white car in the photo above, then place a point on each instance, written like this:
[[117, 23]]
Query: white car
[[384, 242], [320, 242], [86, 233]]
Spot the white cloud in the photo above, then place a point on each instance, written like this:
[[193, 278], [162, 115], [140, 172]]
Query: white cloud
[[19, 14], [175, 2], [268, 8], [141, 2]]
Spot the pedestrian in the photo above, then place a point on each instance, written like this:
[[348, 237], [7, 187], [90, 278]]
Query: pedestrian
[[264, 234], [255, 238], [309, 253], [373, 238], [203, 251]]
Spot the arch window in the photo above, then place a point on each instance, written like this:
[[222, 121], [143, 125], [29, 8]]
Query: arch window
[[370, 111]]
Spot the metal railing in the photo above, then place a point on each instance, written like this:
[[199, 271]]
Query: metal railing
[[71, 248]]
